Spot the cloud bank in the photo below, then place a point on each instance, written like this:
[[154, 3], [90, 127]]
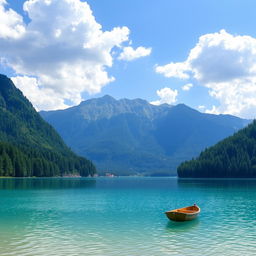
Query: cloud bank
[[61, 53], [226, 65]]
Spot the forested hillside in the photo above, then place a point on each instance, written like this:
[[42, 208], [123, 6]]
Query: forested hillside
[[29, 146], [234, 157]]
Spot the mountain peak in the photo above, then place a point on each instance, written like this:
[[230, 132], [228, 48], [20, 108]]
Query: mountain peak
[[107, 98], [2, 76], [5, 82]]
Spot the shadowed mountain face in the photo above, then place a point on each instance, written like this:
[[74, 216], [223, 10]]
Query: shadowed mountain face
[[132, 136]]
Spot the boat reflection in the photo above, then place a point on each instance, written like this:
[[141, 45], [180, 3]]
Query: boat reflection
[[172, 226]]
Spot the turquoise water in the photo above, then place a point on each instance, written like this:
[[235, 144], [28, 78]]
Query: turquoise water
[[124, 216]]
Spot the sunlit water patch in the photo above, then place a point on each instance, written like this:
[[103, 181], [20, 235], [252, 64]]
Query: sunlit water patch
[[124, 216]]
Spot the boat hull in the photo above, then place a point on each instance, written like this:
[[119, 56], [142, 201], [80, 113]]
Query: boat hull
[[183, 214]]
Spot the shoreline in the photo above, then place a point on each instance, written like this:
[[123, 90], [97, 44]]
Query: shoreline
[[146, 177]]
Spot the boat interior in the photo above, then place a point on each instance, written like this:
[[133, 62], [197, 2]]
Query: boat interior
[[190, 209]]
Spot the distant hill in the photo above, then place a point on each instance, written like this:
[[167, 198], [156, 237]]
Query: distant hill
[[29, 146], [132, 136], [234, 157]]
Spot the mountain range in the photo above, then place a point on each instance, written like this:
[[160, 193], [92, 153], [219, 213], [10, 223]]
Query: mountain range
[[129, 137]]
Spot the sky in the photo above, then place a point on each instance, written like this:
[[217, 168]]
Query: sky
[[201, 53]]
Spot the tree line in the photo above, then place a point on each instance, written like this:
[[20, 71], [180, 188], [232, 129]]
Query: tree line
[[17, 161], [234, 157]]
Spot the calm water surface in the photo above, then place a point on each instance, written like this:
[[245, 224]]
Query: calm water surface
[[124, 216]]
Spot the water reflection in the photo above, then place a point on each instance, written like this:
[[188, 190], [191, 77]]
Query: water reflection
[[217, 183], [46, 183], [185, 226]]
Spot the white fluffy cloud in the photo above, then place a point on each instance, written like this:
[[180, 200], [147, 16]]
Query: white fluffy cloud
[[178, 70], [63, 48], [226, 64], [187, 87], [129, 53], [44, 97], [11, 23], [166, 95]]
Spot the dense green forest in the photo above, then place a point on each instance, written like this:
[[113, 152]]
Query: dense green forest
[[234, 157], [29, 146]]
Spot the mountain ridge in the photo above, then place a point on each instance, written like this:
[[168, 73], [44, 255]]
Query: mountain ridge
[[111, 107], [134, 136]]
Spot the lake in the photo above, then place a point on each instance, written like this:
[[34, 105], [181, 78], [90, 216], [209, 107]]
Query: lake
[[124, 216]]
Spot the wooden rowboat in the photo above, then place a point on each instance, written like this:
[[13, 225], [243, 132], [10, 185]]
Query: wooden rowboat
[[182, 214]]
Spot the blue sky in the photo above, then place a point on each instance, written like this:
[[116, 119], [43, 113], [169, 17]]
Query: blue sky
[[171, 29]]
